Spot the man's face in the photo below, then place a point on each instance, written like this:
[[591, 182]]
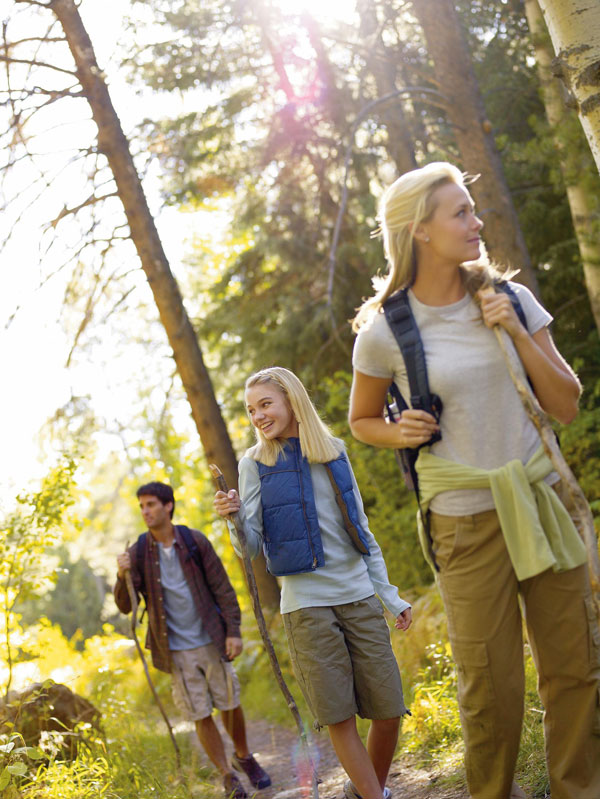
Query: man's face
[[154, 513]]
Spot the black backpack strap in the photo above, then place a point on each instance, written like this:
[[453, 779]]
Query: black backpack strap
[[192, 548], [504, 285], [400, 318]]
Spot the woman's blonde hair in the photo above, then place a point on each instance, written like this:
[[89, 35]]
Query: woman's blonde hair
[[405, 204], [317, 442]]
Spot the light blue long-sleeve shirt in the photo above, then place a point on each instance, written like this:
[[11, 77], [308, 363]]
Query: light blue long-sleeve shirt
[[347, 576]]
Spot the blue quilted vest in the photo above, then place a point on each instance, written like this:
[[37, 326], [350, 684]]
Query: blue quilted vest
[[292, 538]]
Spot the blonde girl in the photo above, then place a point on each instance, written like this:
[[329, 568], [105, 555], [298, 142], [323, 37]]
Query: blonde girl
[[300, 503], [498, 533]]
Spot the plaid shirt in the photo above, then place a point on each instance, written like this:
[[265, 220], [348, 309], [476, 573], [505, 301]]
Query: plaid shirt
[[213, 595]]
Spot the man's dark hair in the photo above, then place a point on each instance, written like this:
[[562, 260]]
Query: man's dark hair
[[162, 492]]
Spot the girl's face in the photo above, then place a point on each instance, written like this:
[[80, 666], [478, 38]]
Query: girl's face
[[270, 411], [452, 232]]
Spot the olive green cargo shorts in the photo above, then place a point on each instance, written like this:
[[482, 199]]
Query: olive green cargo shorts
[[343, 661]]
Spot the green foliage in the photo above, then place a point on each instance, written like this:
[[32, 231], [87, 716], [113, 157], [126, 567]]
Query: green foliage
[[17, 762], [435, 722], [26, 537], [581, 448], [81, 615], [432, 732]]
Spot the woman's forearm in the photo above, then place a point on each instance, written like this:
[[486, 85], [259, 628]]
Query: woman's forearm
[[377, 432], [555, 385]]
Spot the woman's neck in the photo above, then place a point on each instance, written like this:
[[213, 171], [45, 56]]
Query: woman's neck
[[438, 284]]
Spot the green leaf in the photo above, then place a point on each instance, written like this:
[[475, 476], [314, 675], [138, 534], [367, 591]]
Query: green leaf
[[4, 779], [34, 753], [17, 768]]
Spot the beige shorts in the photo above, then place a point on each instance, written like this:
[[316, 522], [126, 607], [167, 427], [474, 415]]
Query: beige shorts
[[203, 681], [343, 661]]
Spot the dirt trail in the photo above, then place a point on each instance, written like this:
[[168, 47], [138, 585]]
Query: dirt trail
[[277, 747]]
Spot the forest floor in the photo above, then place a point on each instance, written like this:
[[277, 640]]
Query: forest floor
[[276, 748]]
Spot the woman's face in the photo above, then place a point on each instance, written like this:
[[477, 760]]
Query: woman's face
[[452, 232], [270, 412]]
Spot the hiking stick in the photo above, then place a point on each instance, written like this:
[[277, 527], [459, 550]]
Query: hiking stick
[[260, 620], [584, 521], [134, 610]]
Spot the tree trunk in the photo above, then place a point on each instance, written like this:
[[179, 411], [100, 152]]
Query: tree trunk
[[180, 333], [584, 204], [454, 73], [384, 69], [574, 27]]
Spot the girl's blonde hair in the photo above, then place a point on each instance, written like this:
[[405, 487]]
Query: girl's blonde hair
[[405, 204], [317, 442]]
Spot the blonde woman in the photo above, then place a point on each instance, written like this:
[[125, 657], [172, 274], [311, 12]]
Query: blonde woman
[[494, 530], [301, 504]]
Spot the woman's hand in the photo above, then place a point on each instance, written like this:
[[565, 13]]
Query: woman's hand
[[226, 504], [416, 427], [367, 423], [497, 309], [404, 620]]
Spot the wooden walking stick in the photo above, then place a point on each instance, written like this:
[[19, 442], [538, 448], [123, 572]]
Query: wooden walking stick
[[584, 521], [134, 610], [260, 620]]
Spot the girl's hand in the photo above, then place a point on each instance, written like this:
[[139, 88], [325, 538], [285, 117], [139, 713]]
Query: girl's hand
[[497, 309], [404, 620], [226, 504], [416, 427]]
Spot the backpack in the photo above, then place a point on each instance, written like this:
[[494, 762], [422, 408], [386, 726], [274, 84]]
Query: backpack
[[402, 323]]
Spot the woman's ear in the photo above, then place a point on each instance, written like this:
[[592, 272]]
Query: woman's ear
[[421, 234]]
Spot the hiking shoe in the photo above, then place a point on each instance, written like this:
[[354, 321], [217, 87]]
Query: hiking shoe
[[350, 791], [253, 770], [233, 787]]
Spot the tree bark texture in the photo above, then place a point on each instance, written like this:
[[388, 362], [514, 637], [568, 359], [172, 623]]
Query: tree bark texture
[[447, 47], [574, 27], [113, 143], [584, 204]]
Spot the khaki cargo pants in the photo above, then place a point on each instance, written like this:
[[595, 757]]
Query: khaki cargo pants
[[481, 595]]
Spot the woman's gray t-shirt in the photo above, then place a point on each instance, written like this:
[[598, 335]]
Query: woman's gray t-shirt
[[483, 422]]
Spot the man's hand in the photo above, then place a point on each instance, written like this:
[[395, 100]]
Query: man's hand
[[123, 564], [233, 647], [404, 620]]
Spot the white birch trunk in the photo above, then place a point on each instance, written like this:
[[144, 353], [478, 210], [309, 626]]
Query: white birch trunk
[[574, 27], [585, 207]]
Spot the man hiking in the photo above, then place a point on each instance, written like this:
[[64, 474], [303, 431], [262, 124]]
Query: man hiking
[[193, 629]]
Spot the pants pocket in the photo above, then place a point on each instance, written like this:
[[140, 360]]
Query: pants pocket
[[475, 687]]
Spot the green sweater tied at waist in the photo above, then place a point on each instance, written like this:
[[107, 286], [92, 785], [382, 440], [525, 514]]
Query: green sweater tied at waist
[[537, 528]]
